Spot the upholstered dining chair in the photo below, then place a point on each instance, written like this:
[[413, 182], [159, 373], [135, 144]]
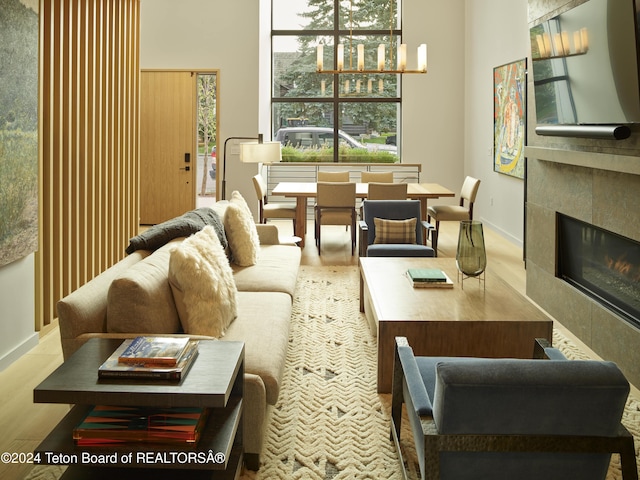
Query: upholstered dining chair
[[463, 211], [392, 228], [382, 177], [502, 418], [333, 176], [272, 210], [387, 191], [335, 205]]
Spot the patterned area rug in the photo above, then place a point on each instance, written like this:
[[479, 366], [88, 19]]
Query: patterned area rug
[[330, 423]]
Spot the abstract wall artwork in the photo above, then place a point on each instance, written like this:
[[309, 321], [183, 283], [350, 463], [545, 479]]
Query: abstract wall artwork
[[509, 118], [18, 129]]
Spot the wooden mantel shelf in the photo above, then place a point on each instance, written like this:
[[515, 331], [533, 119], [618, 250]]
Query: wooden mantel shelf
[[601, 161]]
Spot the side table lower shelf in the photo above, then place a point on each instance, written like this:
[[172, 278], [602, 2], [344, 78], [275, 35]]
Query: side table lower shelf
[[217, 437]]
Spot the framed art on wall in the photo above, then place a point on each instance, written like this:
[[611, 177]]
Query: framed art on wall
[[19, 29], [510, 118]]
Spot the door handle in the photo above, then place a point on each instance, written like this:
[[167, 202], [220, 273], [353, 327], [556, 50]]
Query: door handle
[[186, 169]]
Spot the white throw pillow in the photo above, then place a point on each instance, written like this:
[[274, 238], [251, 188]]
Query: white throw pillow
[[202, 284], [241, 232]]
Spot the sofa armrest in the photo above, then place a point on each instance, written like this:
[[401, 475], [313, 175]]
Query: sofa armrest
[[268, 234]]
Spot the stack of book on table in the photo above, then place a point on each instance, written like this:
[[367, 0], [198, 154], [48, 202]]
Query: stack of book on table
[[145, 358], [113, 425], [161, 358], [429, 278]]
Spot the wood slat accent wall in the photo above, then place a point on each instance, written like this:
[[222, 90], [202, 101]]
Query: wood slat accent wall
[[89, 121]]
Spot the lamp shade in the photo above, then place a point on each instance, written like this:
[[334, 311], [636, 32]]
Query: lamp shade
[[267, 152]]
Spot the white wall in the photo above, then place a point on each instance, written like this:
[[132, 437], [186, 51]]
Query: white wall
[[17, 310], [496, 33], [447, 114], [207, 34], [433, 104]]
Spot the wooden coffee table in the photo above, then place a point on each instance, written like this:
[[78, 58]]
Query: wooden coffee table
[[492, 321], [215, 380]]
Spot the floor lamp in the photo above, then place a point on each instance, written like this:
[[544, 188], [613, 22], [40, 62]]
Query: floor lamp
[[261, 152]]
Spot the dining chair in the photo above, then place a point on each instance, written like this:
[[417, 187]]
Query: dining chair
[[387, 191], [457, 213], [335, 205], [333, 176], [272, 210], [383, 177]]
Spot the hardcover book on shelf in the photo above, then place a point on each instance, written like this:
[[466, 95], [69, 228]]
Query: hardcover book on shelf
[[112, 368], [113, 425], [154, 350], [429, 278]]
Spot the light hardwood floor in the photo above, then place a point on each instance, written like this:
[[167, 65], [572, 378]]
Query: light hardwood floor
[[23, 424]]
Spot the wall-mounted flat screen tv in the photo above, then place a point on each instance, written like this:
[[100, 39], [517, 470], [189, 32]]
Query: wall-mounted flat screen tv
[[585, 65]]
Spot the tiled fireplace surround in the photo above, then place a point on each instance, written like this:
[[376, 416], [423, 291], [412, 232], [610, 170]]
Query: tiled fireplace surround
[[596, 181]]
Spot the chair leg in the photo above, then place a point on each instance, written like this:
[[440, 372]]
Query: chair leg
[[396, 396], [318, 231], [353, 235], [434, 238]]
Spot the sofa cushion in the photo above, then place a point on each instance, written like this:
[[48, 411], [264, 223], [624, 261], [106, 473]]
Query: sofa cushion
[[263, 324], [202, 284], [275, 271], [395, 231], [241, 231], [140, 299]]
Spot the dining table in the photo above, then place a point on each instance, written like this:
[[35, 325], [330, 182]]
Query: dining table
[[302, 191]]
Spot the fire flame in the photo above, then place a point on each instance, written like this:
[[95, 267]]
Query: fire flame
[[622, 266]]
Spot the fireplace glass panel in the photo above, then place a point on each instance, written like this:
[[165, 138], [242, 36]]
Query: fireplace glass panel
[[602, 264]]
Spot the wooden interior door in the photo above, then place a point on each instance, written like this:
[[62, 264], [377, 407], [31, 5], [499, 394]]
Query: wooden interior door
[[167, 144]]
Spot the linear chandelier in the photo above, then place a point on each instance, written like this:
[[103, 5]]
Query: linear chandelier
[[558, 46], [401, 66]]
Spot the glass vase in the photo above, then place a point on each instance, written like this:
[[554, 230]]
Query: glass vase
[[471, 257]]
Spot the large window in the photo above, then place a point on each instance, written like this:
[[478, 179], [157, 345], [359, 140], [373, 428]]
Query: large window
[[334, 117]]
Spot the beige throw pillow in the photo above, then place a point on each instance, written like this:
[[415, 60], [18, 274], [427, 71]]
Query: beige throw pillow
[[241, 231], [202, 283], [395, 231]]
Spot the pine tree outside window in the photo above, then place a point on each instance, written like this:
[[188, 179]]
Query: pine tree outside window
[[361, 112]]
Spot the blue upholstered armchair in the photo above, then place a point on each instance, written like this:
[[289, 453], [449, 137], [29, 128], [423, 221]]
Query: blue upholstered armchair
[[392, 228], [479, 418]]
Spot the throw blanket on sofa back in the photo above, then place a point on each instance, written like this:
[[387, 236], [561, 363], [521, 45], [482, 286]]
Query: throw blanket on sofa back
[[182, 226]]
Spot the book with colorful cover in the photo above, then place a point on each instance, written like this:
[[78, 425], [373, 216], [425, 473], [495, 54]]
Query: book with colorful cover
[[112, 368], [154, 350], [113, 425]]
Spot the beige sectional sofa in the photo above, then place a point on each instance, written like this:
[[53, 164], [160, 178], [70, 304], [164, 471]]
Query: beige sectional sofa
[[264, 302]]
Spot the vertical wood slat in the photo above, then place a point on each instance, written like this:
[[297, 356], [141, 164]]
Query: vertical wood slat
[[89, 167]]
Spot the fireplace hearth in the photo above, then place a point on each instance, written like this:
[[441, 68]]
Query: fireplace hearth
[[600, 263]]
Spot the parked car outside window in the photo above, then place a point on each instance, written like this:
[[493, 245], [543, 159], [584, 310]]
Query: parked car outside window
[[318, 137]]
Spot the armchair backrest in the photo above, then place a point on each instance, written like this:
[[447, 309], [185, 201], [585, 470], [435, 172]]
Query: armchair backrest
[[528, 397], [391, 210]]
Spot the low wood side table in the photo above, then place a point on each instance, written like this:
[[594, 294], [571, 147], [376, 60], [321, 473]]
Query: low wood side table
[[215, 380]]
